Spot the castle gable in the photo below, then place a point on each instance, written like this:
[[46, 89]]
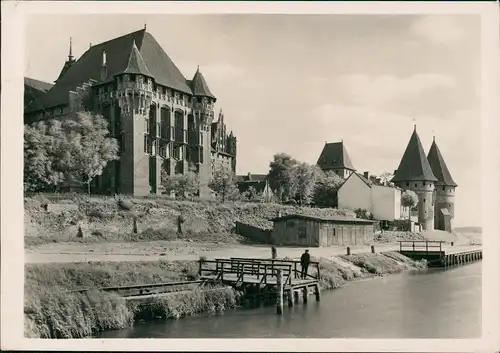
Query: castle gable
[[414, 165], [438, 166]]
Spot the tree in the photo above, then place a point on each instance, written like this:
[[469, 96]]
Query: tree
[[224, 183], [304, 180], [56, 152], [325, 192], [48, 156], [386, 177], [91, 145], [281, 176], [409, 199], [251, 194], [183, 185]]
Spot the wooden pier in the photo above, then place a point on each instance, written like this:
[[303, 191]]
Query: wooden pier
[[439, 255], [259, 278]]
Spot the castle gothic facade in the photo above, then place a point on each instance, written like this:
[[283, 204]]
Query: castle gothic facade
[[162, 120]]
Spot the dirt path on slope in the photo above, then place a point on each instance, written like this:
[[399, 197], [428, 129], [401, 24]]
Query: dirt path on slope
[[171, 251]]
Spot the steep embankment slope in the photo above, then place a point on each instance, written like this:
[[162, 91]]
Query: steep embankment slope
[[102, 219]]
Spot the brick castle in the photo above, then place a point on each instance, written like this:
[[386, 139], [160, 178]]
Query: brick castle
[[161, 119]]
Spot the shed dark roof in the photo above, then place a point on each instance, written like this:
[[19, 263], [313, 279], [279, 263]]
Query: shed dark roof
[[331, 219], [251, 177], [438, 166], [335, 156], [199, 85], [414, 165], [118, 51]]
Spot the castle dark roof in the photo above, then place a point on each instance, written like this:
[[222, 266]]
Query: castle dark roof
[[199, 85], [414, 165], [438, 166], [37, 84], [335, 156], [34, 90], [65, 69], [118, 51]]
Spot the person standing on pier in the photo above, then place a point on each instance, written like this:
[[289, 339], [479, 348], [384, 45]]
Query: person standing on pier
[[305, 259], [274, 253]]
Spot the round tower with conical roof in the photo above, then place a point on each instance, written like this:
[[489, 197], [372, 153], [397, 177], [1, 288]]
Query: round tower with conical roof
[[414, 173], [444, 207]]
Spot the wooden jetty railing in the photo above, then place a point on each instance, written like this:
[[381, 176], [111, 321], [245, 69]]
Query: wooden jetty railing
[[221, 268], [262, 269], [421, 245], [297, 268]]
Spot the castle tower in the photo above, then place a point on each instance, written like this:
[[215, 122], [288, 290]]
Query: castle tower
[[69, 62], [203, 112], [444, 207], [138, 128], [334, 157], [414, 173]]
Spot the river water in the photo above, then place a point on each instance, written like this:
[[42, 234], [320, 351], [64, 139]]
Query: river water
[[434, 303]]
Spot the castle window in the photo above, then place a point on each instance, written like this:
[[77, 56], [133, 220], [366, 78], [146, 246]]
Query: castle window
[[407, 184], [198, 99], [60, 110], [132, 78], [416, 184], [146, 126]]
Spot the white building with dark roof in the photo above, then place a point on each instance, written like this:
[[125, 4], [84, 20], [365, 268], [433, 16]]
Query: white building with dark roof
[[382, 201]]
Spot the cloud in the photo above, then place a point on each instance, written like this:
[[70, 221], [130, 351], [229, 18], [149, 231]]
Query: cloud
[[438, 29], [386, 89]]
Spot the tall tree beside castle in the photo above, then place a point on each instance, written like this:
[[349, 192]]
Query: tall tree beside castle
[[281, 178], [72, 151], [162, 120]]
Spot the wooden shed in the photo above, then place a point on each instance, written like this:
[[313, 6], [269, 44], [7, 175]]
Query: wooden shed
[[321, 231]]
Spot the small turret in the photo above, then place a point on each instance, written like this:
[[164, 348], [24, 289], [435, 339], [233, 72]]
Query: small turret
[[69, 62]]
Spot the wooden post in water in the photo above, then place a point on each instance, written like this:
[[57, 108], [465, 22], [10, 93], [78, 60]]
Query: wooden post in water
[[348, 250], [373, 249], [317, 292], [305, 293], [290, 297], [296, 296], [279, 292]]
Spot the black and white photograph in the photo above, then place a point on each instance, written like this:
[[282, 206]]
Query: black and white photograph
[[246, 175]]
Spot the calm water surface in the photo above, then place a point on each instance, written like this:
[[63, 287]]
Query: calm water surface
[[428, 304]]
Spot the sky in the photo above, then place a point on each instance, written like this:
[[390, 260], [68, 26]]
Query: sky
[[290, 83]]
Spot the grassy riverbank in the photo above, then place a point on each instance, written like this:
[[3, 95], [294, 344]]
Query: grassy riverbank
[[51, 313]]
